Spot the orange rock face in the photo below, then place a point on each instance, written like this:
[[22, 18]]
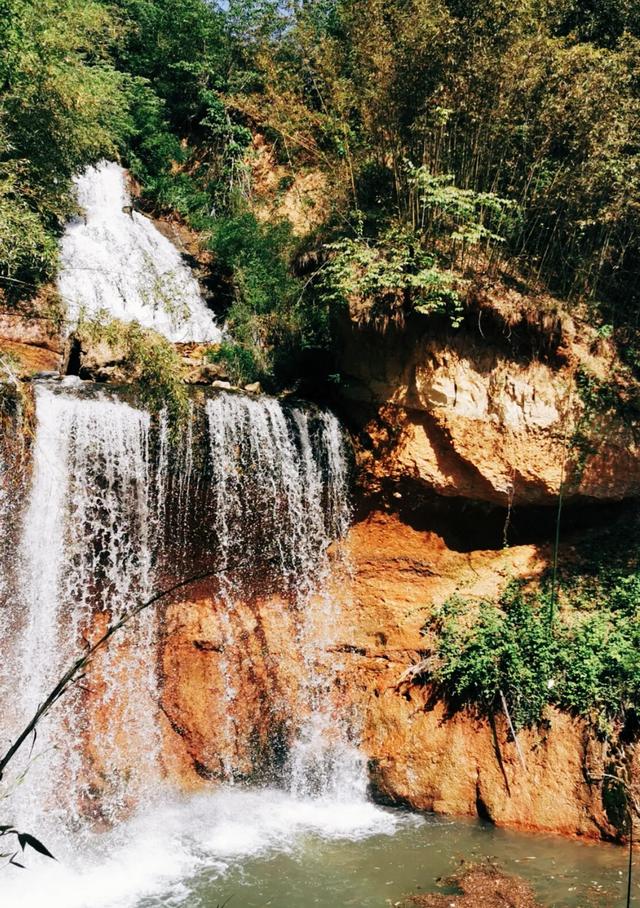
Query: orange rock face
[[457, 764], [32, 337], [418, 755], [229, 679], [460, 416], [30, 359]]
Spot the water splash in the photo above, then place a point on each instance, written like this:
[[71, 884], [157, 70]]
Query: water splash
[[160, 857], [115, 260]]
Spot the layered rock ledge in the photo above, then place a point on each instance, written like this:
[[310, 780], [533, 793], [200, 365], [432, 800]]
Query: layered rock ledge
[[419, 755], [461, 415]]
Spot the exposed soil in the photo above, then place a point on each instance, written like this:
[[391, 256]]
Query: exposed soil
[[481, 886]]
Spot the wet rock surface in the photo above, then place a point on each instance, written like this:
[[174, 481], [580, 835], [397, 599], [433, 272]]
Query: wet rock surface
[[419, 754]]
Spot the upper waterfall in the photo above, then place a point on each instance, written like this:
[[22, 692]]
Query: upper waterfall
[[116, 260]]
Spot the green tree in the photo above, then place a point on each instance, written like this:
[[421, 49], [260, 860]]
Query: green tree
[[62, 105]]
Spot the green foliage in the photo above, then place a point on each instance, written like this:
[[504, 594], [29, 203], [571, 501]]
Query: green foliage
[[535, 105], [463, 217], [62, 105], [408, 265], [587, 662], [267, 316], [600, 667], [175, 55], [383, 280], [177, 46], [239, 361], [28, 252], [152, 148], [147, 357], [459, 137], [256, 254], [505, 647]]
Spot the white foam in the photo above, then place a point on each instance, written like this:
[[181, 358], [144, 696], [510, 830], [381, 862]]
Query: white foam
[[159, 852], [115, 260]]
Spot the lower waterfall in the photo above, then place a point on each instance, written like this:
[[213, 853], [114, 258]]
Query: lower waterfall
[[86, 554], [257, 492]]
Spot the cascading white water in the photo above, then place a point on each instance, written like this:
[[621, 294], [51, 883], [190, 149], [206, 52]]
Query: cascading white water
[[279, 486], [4, 527], [85, 557], [280, 495], [275, 500], [116, 261], [117, 505], [13, 460]]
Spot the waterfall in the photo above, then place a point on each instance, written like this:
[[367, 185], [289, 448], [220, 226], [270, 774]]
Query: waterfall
[[116, 261], [279, 488], [85, 556], [280, 495], [14, 470], [5, 508], [255, 490]]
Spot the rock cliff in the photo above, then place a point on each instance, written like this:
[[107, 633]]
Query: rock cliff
[[418, 754], [437, 416], [442, 421], [492, 419]]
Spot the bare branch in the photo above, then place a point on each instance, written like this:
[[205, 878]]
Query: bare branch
[[72, 674]]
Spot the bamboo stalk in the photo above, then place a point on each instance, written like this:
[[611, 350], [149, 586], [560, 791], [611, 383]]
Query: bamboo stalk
[[505, 709]]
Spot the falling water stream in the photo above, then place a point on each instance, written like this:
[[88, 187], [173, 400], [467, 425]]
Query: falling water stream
[[87, 551], [116, 262]]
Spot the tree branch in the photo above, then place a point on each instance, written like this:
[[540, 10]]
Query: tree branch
[[73, 672]]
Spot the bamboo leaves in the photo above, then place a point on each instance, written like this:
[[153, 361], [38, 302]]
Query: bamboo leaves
[[24, 840]]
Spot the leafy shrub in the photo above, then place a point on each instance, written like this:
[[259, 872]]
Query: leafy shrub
[[256, 254], [240, 361], [151, 359], [382, 280], [600, 667], [456, 217], [506, 647], [587, 661], [269, 316], [408, 265], [28, 252], [62, 106]]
